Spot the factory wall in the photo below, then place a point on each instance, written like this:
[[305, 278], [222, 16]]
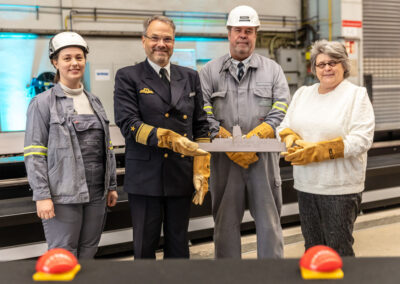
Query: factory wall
[[126, 16], [112, 29]]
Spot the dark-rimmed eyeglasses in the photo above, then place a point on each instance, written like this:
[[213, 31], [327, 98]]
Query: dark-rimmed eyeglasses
[[156, 39], [330, 63]]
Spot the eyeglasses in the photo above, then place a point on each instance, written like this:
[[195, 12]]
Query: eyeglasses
[[156, 39], [330, 63]]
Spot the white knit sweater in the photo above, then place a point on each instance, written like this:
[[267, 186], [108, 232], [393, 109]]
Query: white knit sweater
[[81, 101], [345, 112]]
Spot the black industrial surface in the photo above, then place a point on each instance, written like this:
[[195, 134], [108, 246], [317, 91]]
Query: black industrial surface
[[356, 270]]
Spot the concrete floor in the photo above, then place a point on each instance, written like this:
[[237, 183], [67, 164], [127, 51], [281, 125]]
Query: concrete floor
[[375, 234]]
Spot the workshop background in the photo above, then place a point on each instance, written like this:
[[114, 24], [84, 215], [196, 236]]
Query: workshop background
[[369, 29]]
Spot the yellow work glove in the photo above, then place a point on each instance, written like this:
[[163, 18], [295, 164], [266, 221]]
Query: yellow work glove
[[243, 159], [223, 133], [177, 143], [309, 152], [289, 137], [264, 130], [201, 173]]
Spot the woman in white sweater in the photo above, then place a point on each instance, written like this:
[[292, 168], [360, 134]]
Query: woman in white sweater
[[328, 130]]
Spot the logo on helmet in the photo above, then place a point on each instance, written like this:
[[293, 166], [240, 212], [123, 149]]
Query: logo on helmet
[[244, 19], [243, 16]]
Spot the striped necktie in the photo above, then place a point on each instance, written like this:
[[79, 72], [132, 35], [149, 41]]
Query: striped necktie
[[241, 70]]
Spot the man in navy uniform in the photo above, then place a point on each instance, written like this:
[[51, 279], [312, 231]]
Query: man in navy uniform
[[159, 109]]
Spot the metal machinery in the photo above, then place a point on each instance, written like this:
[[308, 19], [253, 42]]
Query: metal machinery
[[41, 83], [285, 35]]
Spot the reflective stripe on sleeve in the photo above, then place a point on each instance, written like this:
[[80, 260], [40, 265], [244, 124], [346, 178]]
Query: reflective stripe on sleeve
[[35, 153], [208, 109], [35, 150], [35, 146], [280, 106]]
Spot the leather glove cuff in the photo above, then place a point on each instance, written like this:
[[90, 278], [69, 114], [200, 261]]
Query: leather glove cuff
[[332, 149]]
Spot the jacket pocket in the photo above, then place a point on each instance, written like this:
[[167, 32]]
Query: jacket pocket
[[218, 101], [263, 100], [62, 180], [58, 133], [218, 95]]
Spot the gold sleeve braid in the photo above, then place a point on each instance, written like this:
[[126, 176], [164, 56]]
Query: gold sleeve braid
[[143, 133], [203, 140]]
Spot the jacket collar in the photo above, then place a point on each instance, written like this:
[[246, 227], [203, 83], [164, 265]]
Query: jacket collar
[[58, 91], [227, 62], [254, 61], [151, 78], [157, 68], [177, 84]]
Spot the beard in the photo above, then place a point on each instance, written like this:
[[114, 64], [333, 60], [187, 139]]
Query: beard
[[242, 51], [161, 57]]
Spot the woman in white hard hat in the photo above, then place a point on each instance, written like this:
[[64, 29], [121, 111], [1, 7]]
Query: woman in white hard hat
[[68, 154], [328, 130]]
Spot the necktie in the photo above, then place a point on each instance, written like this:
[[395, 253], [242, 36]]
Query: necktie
[[163, 73], [164, 79], [241, 70]]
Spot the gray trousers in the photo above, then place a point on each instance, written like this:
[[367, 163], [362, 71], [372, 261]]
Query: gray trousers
[[329, 220], [229, 186], [76, 227]]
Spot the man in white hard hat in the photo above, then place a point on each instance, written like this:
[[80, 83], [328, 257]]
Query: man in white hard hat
[[245, 88]]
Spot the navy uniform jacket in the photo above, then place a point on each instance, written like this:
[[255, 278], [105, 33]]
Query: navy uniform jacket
[[139, 101]]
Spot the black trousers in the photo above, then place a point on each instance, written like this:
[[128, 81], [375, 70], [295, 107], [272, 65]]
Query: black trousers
[[329, 220], [149, 214]]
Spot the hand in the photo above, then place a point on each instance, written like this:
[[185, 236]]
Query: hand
[[201, 173], [112, 197], [291, 150], [45, 209], [263, 130], [201, 185], [223, 133], [310, 152], [177, 143], [243, 159], [289, 137]]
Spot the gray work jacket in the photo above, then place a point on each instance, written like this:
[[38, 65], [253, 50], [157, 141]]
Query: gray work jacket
[[262, 95], [52, 154]]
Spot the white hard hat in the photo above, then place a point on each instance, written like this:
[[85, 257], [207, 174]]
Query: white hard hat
[[243, 16], [66, 39]]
